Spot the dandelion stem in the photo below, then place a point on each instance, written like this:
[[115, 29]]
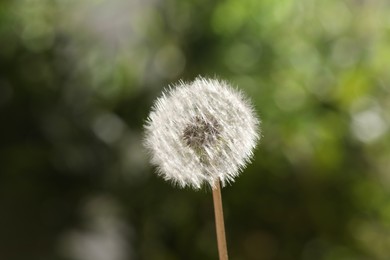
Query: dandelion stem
[[219, 222]]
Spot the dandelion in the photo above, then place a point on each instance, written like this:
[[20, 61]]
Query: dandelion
[[202, 132]]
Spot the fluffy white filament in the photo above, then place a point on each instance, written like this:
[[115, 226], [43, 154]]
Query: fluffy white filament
[[200, 131]]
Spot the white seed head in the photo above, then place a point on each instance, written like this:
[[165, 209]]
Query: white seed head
[[201, 131]]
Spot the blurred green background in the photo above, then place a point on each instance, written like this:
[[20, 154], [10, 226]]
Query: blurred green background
[[78, 78]]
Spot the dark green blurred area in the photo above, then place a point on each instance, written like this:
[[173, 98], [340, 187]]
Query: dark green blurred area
[[77, 80]]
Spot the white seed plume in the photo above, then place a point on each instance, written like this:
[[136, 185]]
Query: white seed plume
[[200, 131]]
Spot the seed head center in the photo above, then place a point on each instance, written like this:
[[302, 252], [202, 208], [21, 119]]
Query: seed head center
[[201, 133]]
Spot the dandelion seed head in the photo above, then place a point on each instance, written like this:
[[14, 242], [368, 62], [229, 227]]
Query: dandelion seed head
[[200, 132]]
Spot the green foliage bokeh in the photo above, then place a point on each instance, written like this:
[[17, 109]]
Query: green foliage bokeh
[[77, 80]]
